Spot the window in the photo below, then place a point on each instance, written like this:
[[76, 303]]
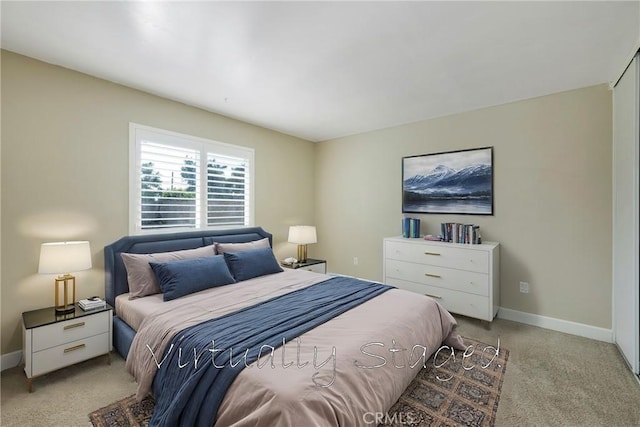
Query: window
[[180, 182]]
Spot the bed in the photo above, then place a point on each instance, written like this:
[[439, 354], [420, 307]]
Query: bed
[[358, 347]]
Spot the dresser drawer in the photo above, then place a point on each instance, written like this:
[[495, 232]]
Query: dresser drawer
[[457, 256], [69, 331], [448, 278], [454, 301], [70, 353]]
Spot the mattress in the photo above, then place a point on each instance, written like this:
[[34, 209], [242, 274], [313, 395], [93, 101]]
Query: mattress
[[133, 311], [236, 296], [355, 342]]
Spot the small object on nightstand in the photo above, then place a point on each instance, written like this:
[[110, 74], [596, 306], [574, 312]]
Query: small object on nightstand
[[91, 303]]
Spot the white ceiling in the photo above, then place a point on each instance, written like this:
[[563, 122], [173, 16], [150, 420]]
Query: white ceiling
[[321, 70]]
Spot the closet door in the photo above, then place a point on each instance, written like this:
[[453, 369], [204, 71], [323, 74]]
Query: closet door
[[626, 292]]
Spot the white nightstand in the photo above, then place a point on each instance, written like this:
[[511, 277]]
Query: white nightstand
[[316, 265], [52, 341]]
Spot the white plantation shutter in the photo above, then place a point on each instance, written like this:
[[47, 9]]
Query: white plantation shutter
[[183, 182], [228, 190], [167, 199]]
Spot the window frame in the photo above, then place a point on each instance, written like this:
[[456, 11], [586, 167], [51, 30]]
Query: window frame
[[138, 133]]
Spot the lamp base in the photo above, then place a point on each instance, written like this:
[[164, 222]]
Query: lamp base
[[302, 253], [70, 308], [66, 299]]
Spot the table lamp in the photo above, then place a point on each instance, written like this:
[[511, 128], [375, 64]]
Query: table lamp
[[62, 258], [302, 235]]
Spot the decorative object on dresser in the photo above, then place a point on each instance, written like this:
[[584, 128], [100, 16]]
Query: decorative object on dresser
[[52, 341], [316, 265], [410, 227], [459, 182], [62, 258], [455, 232], [463, 278], [302, 235]]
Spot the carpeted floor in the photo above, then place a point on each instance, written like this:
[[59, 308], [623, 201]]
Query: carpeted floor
[[553, 379], [452, 390]]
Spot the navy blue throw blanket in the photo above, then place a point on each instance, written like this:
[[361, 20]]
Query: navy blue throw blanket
[[190, 396]]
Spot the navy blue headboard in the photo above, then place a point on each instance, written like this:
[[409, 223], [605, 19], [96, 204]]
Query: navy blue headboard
[[116, 274]]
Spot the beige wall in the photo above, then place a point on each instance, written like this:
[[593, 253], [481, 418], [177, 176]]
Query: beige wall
[[65, 176], [552, 177], [65, 141]]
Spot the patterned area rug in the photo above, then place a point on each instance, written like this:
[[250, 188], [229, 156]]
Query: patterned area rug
[[127, 412], [453, 390], [461, 389]]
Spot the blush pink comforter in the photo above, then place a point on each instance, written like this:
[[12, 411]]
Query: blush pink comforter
[[339, 373]]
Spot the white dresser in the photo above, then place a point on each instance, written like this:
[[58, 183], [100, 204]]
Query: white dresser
[[463, 278]]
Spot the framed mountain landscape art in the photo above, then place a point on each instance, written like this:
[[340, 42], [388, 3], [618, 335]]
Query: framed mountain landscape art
[[455, 182]]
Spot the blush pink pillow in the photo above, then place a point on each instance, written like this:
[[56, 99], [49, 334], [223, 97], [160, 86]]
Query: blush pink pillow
[[142, 281], [221, 248]]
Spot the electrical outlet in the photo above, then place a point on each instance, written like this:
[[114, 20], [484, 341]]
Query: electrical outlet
[[524, 287], [355, 260]]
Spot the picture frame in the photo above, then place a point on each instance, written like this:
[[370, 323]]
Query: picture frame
[[452, 182]]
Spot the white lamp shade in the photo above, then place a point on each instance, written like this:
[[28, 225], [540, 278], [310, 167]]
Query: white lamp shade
[[64, 257], [302, 234]]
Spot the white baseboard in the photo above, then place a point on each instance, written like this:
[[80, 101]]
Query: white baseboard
[[566, 326], [10, 360]]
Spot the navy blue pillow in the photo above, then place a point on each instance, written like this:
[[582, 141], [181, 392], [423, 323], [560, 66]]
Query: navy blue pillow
[[183, 277], [252, 263]]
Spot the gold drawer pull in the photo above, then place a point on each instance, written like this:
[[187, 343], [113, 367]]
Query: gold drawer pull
[[432, 275], [74, 348], [432, 253], [75, 325], [433, 296]]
